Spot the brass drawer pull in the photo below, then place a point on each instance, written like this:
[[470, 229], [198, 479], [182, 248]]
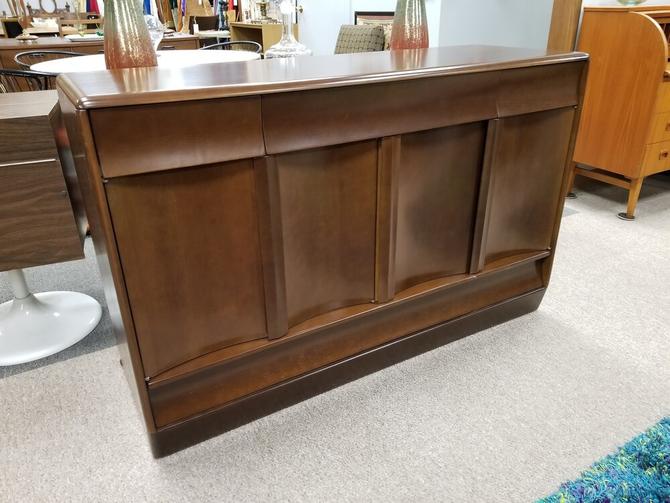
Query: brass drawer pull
[[663, 155], [667, 126]]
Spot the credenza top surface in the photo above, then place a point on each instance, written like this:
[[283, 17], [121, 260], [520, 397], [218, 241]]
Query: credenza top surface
[[137, 86]]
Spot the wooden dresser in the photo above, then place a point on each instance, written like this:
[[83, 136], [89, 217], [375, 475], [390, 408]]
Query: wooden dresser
[[38, 192], [624, 134], [365, 208]]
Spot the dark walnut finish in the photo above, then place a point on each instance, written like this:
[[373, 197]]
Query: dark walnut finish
[[368, 208], [38, 189]]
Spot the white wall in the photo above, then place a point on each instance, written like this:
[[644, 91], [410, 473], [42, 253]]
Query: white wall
[[321, 20], [516, 23], [519, 23], [320, 23]]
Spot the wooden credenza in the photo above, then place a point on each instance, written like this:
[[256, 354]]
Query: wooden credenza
[[365, 208], [624, 135], [9, 47]]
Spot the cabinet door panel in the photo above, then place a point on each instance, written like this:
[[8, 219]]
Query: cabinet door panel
[[328, 202], [189, 248], [437, 194], [526, 180]]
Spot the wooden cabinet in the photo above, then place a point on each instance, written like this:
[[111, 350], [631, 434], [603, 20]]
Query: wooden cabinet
[[625, 122], [266, 34], [340, 231], [521, 154]]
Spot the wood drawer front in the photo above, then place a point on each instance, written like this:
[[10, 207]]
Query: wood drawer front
[[178, 44], [141, 139], [36, 221], [348, 114], [527, 172], [656, 158], [190, 252], [661, 128], [34, 135], [663, 104]]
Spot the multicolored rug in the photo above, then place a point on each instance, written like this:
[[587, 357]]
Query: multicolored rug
[[638, 473]]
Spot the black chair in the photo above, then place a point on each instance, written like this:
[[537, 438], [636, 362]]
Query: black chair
[[14, 81], [240, 45], [11, 27], [28, 58]]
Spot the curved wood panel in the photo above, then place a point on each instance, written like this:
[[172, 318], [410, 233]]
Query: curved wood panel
[[191, 260], [628, 57], [437, 194], [527, 169], [328, 202]]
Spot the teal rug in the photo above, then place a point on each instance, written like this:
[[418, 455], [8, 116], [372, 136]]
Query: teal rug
[[638, 473]]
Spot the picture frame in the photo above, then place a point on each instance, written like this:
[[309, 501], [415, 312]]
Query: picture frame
[[377, 18]]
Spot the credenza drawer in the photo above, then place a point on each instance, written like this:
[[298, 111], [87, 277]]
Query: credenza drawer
[[178, 43], [143, 139], [656, 158]]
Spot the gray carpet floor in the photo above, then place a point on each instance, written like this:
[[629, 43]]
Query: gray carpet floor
[[505, 415]]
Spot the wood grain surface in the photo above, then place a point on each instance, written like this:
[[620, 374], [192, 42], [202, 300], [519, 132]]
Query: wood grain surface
[[356, 219], [328, 202], [36, 221], [159, 85], [626, 71], [191, 261], [564, 25]]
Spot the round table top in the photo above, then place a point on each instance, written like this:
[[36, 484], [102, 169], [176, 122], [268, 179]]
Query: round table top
[[166, 59]]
